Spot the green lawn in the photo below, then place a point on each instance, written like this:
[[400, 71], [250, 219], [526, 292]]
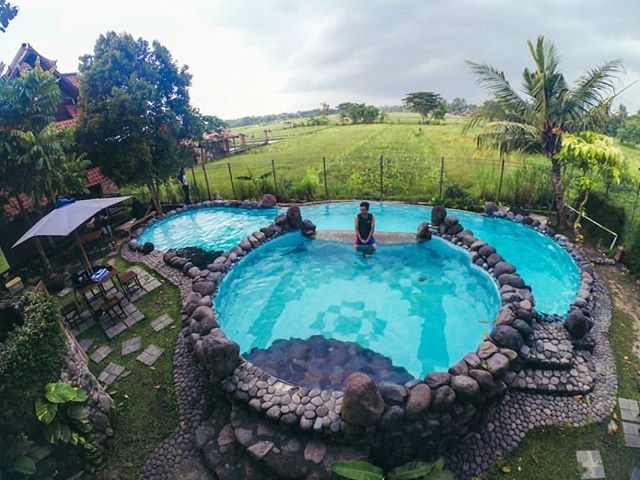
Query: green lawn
[[550, 452], [146, 409], [427, 163]]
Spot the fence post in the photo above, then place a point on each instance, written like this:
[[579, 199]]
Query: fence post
[[441, 177], [500, 181], [324, 169], [204, 170], [381, 178], [275, 182], [233, 187]]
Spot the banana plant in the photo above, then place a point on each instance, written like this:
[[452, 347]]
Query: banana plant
[[359, 470]]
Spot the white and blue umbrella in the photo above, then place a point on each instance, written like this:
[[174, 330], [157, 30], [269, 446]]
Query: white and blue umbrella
[[65, 219]]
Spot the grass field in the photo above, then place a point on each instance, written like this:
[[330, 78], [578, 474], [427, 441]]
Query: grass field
[[400, 159]]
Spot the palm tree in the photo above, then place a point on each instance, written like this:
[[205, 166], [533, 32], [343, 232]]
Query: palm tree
[[535, 121]]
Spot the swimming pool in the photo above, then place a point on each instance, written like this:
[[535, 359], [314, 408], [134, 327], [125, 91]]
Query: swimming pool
[[422, 305], [212, 228], [550, 271], [544, 265]]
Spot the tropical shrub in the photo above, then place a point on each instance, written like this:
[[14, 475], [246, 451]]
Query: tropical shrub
[[601, 209], [33, 353]]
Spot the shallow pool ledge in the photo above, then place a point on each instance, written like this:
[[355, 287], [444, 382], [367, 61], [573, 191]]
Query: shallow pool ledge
[[382, 238]]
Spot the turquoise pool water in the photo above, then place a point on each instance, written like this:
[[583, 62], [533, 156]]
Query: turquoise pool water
[[550, 271], [215, 228], [422, 305]]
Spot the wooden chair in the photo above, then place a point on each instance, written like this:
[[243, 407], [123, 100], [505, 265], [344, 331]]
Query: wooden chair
[[129, 282], [110, 305]]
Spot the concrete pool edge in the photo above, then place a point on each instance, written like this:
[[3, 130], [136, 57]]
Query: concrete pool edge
[[265, 412]]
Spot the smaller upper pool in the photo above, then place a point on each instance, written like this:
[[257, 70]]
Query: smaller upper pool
[[214, 228]]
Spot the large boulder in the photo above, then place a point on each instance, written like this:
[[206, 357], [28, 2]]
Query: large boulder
[[418, 401], [423, 234], [269, 200], [219, 354], [294, 217], [438, 214], [362, 403], [577, 324], [507, 336], [490, 208]]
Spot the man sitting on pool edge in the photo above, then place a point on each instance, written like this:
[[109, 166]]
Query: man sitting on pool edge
[[365, 225]]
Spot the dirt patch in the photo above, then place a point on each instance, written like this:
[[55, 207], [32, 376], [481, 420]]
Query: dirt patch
[[625, 296]]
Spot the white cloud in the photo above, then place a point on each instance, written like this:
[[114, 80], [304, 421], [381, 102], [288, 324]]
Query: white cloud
[[255, 57]]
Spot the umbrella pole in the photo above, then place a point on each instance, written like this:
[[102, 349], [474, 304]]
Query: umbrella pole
[[87, 262]]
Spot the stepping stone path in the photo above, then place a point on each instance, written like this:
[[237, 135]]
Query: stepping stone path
[[591, 462], [630, 413], [101, 353], [161, 322], [111, 373], [131, 345], [150, 355]]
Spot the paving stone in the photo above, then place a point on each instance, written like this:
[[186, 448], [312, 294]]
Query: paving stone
[[629, 410], [115, 329], [111, 373], [635, 474], [591, 462], [64, 291], [101, 353], [86, 343], [133, 315], [161, 322], [150, 354], [631, 434], [131, 345]]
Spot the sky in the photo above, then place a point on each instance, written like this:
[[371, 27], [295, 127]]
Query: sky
[[258, 57]]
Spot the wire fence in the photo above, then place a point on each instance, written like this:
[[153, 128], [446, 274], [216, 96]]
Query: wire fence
[[376, 177], [465, 183]]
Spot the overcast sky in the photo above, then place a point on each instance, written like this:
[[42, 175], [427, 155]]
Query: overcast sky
[[254, 57]]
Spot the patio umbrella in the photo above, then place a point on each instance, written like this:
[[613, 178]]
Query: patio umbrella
[[65, 219]]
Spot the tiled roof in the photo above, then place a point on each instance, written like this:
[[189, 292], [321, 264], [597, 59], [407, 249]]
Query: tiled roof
[[94, 177]]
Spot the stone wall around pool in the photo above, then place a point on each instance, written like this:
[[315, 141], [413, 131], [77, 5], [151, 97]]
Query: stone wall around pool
[[386, 422]]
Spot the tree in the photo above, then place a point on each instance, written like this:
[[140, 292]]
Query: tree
[[357, 112], [537, 121], [135, 114], [37, 158], [458, 105], [7, 13], [211, 123], [629, 131], [596, 157], [427, 104]]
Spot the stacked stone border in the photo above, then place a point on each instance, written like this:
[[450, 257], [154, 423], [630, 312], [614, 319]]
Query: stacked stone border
[[400, 422]]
